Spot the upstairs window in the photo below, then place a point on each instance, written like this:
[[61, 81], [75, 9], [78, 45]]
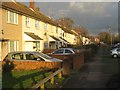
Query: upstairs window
[[46, 26], [37, 24], [27, 21], [12, 17], [51, 28], [56, 29]]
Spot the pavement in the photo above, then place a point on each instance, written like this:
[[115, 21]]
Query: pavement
[[100, 72]]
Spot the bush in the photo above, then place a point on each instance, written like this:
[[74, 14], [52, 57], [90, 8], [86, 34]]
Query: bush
[[7, 67]]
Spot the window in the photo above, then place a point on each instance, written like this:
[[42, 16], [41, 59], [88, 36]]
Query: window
[[17, 56], [13, 46], [16, 18], [63, 34], [68, 51], [36, 46], [46, 26], [27, 21], [37, 24], [12, 17], [56, 29], [51, 28], [60, 51], [118, 49], [30, 57]]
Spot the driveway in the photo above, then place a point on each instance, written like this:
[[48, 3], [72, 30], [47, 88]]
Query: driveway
[[100, 72]]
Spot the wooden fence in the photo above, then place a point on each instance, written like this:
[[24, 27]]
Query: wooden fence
[[50, 77]]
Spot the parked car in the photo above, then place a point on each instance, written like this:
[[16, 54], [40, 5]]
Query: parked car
[[117, 45], [27, 55], [115, 53], [64, 51]]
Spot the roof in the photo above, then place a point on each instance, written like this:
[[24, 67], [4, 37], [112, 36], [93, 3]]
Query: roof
[[64, 40], [55, 38], [32, 35], [24, 10]]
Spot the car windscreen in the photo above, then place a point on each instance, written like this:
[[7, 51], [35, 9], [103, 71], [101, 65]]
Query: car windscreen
[[44, 55]]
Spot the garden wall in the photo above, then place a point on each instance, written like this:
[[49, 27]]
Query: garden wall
[[30, 65]]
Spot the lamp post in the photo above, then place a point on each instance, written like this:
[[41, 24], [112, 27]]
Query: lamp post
[[109, 28]]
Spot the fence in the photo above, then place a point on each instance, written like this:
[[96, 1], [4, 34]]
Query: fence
[[50, 77]]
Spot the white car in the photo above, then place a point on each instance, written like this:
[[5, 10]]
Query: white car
[[115, 53], [27, 55]]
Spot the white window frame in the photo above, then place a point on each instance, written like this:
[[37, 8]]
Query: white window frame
[[56, 29], [45, 26], [15, 18], [12, 17], [15, 48], [51, 28], [8, 16], [27, 21], [37, 24]]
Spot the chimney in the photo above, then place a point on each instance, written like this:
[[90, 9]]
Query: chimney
[[32, 3]]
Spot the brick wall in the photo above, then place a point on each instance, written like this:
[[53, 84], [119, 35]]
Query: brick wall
[[48, 50], [31, 65]]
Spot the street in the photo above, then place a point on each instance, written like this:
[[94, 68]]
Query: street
[[100, 72]]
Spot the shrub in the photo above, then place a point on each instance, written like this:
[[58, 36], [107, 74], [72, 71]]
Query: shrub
[[8, 66]]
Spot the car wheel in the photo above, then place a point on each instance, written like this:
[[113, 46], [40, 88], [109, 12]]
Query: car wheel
[[115, 56]]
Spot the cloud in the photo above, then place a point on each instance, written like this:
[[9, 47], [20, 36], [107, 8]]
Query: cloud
[[94, 16], [98, 9]]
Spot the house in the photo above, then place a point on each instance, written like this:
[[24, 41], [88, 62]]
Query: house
[[11, 28], [27, 29], [32, 29], [23, 28]]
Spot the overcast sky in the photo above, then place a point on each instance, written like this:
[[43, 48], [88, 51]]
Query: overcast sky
[[94, 16]]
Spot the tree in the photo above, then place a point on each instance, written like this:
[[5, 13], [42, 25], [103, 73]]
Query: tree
[[105, 37], [117, 38], [66, 22], [82, 31]]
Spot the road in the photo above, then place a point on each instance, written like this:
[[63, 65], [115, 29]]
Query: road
[[100, 72]]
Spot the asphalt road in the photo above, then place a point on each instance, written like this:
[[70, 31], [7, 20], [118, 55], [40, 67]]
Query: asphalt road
[[100, 72]]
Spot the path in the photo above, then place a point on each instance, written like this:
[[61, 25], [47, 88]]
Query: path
[[99, 73]]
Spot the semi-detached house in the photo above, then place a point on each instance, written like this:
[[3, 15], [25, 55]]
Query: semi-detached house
[[27, 29]]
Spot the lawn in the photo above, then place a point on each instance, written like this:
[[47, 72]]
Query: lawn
[[26, 79]]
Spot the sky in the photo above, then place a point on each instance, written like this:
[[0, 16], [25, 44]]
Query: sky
[[96, 17]]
